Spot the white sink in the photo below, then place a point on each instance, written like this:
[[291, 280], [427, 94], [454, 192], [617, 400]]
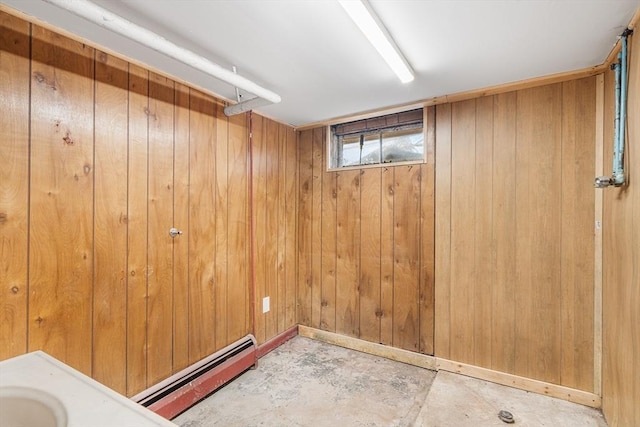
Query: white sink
[[38, 390], [24, 406]]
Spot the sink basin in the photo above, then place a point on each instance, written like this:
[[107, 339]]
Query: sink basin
[[24, 406], [37, 390]]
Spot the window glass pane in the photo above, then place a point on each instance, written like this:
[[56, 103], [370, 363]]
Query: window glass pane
[[350, 151], [371, 150], [391, 138], [402, 145]]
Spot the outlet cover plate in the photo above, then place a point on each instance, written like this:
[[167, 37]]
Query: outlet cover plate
[[265, 304]]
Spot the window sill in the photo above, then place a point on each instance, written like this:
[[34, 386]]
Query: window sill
[[378, 165]]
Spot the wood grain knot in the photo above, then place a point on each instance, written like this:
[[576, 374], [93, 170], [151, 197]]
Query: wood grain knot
[[40, 78], [324, 303], [67, 139], [39, 320], [148, 112], [15, 289], [379, 313], [3, 217]]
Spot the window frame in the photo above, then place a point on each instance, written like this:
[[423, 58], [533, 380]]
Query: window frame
[[333, 146]]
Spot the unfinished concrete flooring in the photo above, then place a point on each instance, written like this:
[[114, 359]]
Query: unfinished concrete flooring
[[310, 383]]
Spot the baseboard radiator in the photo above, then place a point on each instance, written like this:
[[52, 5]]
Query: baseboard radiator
[[182, 390]]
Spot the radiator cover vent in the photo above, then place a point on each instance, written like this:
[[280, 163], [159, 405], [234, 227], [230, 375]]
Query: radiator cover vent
[[185, 388]]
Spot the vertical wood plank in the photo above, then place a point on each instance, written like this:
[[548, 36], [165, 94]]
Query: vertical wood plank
[[328, 290], [291, 223], [578, 204], [261, 234], [61, 238], [463, 221], [442, 343], [523, 304], [281, 260], [406, 255], [370, 310], [202, 241], [348, 253], [316, 226], [222, 219], [584, 240], [304, 228], [598, 267], [329, 212], [386, 254], [427, 236], [271, 225], [569, 231], [110, 222], [137, 219], [538, 251], [633, 163], [427, 258], [181, 222], [617, 296], [545, 241], [484, 266], [504, 232], [14, 184], [238, 307], [160, 243]]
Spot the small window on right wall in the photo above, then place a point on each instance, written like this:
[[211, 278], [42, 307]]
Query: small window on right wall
[[393, 138]]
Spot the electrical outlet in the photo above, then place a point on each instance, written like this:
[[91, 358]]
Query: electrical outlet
[[265, 304]]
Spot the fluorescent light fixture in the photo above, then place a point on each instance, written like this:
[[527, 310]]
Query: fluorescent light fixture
[[371, 26]]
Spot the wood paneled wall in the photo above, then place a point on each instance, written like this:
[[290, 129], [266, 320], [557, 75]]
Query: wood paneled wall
[[366, 247], [275, 198], [514, 232], [100, 158], [621, 265], [513, 242]]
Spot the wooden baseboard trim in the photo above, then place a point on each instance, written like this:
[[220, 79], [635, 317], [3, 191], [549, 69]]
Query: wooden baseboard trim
[[277, 341], [522, 383], [437, 363], [399, 355]]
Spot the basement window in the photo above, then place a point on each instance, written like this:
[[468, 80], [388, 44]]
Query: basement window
[[393, 138]]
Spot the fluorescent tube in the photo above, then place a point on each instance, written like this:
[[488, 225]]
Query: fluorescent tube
[[365, 18]]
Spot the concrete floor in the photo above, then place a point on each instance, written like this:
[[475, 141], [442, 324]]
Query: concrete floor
[[310, 383]]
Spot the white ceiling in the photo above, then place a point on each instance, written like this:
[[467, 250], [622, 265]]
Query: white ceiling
[[312, 55]]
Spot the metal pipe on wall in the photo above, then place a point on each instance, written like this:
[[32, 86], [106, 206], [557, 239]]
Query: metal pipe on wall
[[618, 168], [102, 17], [618, 177], [616, 121]]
